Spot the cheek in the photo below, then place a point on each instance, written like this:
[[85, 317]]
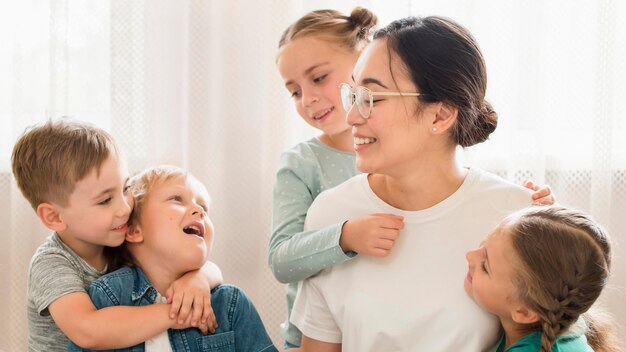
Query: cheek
[[300, 109]]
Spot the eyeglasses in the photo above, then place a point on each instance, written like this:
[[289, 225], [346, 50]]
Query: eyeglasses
[[364, 98]]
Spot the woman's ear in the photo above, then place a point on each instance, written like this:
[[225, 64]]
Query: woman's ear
[[444, 117], [523, 315], [51, 217], [134, 233]]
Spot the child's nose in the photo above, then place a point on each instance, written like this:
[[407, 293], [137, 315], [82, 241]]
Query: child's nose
[[126, 206], [309, 97], [470, 256]]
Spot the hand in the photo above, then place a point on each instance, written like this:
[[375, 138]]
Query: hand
[[543, 194], [204, 328], [190, 297], [373, 234]]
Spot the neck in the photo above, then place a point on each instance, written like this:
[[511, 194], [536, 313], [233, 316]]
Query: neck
[[341, 141], [91, 253], [160, 274], [419, 187], [512, 332]]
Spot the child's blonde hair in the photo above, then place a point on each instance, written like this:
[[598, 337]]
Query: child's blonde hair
[[351, 32], [50, 158], [140, 185], [565, 259]]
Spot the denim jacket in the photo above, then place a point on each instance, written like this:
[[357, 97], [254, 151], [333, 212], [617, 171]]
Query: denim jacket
[[239, 326]]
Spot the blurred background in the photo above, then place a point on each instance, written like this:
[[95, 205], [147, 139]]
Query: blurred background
[[194, 83]]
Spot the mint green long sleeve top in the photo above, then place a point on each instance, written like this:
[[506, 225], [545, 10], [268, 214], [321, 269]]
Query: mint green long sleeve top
[[305, 171]]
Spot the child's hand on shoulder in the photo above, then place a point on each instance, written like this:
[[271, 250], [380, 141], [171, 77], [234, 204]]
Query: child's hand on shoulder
[[190, 299], [543, 194], [373, 234]]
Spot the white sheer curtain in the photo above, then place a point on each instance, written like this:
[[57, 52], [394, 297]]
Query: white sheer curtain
[[194, 83]]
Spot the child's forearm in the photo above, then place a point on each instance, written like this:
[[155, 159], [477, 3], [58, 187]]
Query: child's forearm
[[124, 326], [109, 327]]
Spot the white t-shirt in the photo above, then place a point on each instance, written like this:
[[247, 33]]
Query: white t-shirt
[[413, 299], [161, 342]]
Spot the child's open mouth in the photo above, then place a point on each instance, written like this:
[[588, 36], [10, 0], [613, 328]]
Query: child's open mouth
[[195, 228]]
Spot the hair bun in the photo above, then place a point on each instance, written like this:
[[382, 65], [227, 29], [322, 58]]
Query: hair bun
[[363, 19]]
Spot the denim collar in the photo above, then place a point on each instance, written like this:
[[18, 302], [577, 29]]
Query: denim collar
[[142, 287]]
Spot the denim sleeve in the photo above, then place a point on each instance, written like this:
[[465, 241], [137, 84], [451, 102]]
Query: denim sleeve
[[295, 254], [235, 311]]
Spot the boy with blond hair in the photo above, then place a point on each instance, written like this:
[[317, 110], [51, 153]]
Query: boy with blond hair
[[171, 233], [74, 177]]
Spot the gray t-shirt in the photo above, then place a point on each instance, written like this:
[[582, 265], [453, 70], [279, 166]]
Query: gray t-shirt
[[55, 270]]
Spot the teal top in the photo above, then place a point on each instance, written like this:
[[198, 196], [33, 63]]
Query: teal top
[[573, 340], [305, 171]]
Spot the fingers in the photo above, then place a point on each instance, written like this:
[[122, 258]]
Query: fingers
[[390, 221], [549, 200], [542, 192], [197, 308], [211, 321], [204, 329], [185, 308], [530, 185], [176, 301]]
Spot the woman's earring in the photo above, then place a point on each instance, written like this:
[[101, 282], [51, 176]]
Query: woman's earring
[[434, 129]]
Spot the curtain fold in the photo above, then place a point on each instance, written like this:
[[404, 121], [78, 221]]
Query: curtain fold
[[195, 84]]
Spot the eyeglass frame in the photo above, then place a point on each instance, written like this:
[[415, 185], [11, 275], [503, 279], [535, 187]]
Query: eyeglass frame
[[371, 94]]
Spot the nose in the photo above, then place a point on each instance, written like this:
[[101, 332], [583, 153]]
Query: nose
[[126, 206], [471, 257], [310, 96], [198, 210], [353, 116]]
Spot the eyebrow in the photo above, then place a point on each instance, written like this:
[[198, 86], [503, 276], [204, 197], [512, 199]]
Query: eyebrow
[[109, 190], [370, 80], [308, 71]]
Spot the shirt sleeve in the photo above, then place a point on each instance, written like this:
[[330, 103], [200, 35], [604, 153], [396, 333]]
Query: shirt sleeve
[[312, 316], [296, 254], [52, 275]]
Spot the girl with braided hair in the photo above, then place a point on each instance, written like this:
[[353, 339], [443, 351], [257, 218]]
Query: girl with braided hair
[[540, 271]]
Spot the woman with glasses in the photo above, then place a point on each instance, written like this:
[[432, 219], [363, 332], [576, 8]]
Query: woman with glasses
[[418, 92], [316, 54]]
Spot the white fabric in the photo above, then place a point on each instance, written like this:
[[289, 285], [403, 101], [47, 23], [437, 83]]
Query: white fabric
[[413, 299], [195, 84], [161, 342]]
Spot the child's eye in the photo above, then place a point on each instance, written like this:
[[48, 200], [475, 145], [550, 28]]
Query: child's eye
[[126, 188], [319, 78], [105, 202], [177, 198], [374, 101], [485, 267], [295, 93]]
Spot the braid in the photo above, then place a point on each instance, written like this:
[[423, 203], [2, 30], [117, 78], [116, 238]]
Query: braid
[[564, 265], [562, 315]]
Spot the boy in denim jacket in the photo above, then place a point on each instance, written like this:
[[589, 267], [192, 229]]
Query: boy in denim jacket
[[170, 233]]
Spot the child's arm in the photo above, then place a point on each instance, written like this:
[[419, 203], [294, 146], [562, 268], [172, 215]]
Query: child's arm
[[295, 255], [373, 234], [311, 345], [543, 194], [193, 292], [107, 328]]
